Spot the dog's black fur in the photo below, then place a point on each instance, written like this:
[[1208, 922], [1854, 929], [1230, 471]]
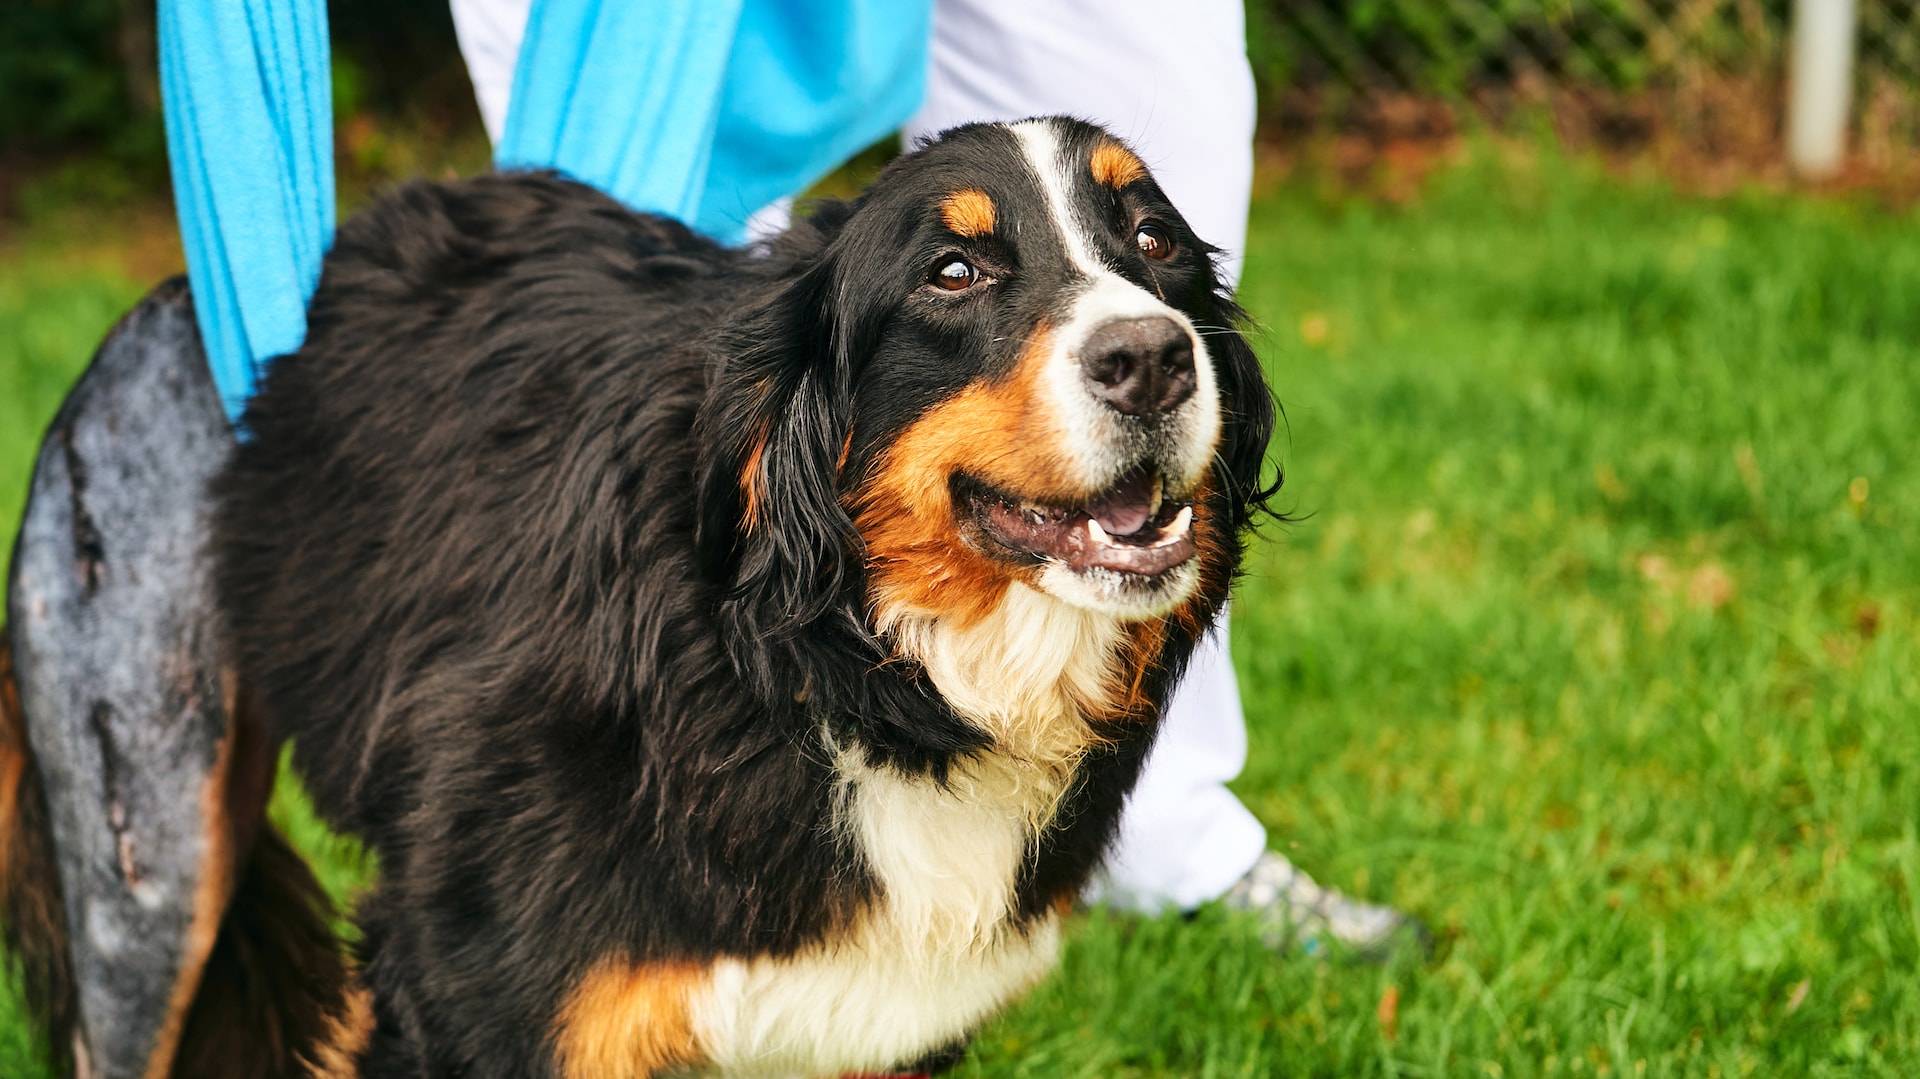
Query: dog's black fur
[[483, 557]]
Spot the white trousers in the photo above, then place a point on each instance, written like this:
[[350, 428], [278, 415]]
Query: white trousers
[[1172, 80]]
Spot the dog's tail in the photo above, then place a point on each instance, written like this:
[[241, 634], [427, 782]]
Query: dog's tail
[[270, 993]]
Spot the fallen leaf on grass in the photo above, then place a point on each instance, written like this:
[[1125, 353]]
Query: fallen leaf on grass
[[1709, 587], [1866, 618], [1388, 1012], [1799, 995], [1842, 648], [1655, 568]]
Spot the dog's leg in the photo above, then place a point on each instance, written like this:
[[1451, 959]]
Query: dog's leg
[[128, 708]]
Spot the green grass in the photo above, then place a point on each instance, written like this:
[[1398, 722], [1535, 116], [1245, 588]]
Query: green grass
[[1594, 643], [51, 316], [1595, 647]]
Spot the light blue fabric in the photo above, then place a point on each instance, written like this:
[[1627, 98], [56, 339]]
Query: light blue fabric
[[250, 139], [622, 95], [702, 109], [707, 110]]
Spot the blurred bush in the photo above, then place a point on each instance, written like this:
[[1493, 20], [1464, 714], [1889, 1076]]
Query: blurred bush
[[1709, 74], [1451, 47], [74, 71], [82, 75], [79, 76]]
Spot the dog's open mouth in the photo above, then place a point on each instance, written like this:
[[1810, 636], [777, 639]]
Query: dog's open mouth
[[1131, 527]]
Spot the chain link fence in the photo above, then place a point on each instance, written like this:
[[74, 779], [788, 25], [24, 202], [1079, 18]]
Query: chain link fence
[[1888, 88], [1709, 74]]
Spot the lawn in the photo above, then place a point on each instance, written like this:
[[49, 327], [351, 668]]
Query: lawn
[[1593, 640]]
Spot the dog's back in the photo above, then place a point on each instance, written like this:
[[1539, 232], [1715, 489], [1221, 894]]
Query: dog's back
[[493, 398]]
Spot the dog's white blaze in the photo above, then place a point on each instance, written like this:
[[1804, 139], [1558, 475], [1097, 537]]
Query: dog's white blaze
[[1042, 148], [1101, 443], [1092, 430]]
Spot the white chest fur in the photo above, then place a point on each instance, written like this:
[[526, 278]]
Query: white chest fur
[[936, 955], [932, 960], [1027, 674]]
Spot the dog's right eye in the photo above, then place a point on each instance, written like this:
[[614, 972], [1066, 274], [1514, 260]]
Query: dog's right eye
[[954, 275]]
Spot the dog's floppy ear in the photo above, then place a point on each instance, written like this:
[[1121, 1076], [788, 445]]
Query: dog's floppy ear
[[773, 433], [777, 413]]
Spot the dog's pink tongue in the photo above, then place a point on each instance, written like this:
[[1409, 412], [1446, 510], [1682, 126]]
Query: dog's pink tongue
[[1123, 509]]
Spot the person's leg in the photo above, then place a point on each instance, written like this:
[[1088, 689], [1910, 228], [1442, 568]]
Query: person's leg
[[1180, 91], [489, 32], [1185, 838]]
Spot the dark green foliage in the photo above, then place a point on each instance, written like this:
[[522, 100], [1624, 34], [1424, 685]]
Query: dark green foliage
[[61, 75], [80, 74]]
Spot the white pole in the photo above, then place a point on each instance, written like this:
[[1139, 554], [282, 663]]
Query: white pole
[[1819, 86]]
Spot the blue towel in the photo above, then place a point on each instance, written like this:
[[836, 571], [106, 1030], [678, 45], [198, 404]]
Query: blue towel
[[702, 109], [250, 139]]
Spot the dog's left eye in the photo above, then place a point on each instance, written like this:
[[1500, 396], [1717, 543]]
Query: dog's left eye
[[954, 275], [1154, 242]]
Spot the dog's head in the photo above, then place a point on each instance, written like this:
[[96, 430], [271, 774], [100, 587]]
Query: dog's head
[[1010, 363]]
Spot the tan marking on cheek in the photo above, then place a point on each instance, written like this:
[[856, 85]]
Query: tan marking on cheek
[[1115, 166], [337, 1056], [968, 212], [1001, 433], [629, 1021]]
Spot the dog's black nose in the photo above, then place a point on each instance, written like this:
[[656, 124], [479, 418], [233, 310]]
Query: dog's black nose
[[1139, 366]]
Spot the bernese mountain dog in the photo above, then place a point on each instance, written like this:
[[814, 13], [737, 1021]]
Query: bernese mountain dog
[[737, 658]]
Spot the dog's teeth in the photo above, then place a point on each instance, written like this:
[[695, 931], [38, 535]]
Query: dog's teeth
[[1096, 533], [1182, 521], [1153, 497]]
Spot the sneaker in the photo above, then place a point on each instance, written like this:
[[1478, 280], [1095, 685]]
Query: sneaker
[[1295, 910]]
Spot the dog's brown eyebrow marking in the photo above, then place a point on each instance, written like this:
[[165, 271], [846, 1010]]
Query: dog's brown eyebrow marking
[[968, 212], [1115, 165]]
